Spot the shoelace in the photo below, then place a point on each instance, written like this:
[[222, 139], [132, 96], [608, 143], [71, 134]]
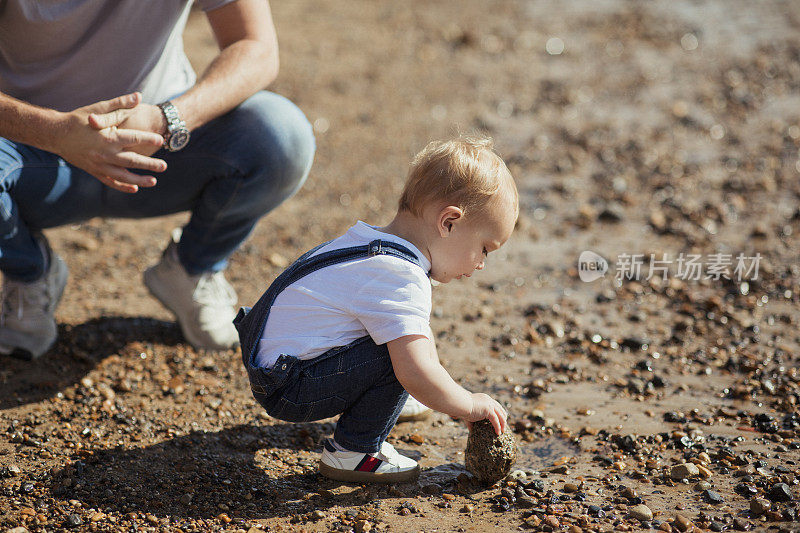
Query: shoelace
[[214, 289], [35, 295]]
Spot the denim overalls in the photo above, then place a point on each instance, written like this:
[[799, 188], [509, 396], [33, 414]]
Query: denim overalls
[[356, 381]]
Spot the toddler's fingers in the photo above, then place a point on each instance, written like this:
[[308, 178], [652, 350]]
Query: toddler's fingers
[[501, 418], [496, 424]]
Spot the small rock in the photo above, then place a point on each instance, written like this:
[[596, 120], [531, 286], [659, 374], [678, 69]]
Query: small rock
[[13, 470], [705, 473], [570, 487], [713, 497], [682, 523], [640, 512], [489, 456], [467, 509], [700, 486], [362, 526], [684, 471], [74, 520], [552, 521], [759, 506], [316, 514], [780, 492], [740, 524], [18, 529], [416, 438]]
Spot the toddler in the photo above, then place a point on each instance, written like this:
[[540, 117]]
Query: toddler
[[345, 329]]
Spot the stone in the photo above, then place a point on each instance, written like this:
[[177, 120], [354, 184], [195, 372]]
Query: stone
[[570, 487], [489, 456], [684, 471], [780, 492], [700, 486], [713, 497], [705, 473], [640, 512], [759, 506], [682, 523]]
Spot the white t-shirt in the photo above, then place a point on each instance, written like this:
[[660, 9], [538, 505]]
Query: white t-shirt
[[382, 296]]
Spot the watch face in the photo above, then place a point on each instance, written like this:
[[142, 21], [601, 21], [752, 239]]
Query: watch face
[[178, 140]]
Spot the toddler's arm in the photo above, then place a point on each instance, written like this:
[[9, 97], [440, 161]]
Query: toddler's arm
[[416, 365]]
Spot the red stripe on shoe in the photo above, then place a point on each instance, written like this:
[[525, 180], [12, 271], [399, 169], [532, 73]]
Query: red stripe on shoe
[[368, 464]]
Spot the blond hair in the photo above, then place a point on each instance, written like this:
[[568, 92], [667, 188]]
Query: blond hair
[[464, 172]]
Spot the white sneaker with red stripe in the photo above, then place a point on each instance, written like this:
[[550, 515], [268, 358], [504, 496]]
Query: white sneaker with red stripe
[[385, 466]]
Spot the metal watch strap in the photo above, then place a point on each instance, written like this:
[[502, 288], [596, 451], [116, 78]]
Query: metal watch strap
[[175, 126]]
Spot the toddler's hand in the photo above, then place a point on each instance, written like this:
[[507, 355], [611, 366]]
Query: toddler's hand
[[485, 407]]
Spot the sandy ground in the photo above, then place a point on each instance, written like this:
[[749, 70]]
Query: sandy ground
[[631, 128]]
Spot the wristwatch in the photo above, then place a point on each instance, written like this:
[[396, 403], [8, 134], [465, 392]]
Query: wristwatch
[[177, 134]]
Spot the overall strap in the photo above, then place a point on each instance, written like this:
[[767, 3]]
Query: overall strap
[[250, 322]]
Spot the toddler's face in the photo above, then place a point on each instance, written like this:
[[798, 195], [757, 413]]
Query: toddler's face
[[469, 241]]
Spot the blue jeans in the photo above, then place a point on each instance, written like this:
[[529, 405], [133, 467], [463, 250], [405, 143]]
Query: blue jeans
[[235, 169], [356, 380]]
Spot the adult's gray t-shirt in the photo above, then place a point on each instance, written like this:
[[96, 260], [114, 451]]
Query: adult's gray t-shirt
[[65, 54]]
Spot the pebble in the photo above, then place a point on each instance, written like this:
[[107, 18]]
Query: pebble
[[705, 473], [682, 523], [552, 521], [713, 497], [740, 524], [570, 487], [74, 520], [684, 471], [640, 512], [780, 492], [759, 506], [702, 485], [18, 529]]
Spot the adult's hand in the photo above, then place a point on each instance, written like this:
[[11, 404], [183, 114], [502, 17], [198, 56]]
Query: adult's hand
[[107, 153], [143, 117]]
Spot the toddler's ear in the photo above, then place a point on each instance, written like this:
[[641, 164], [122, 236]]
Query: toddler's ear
[[447, 217]]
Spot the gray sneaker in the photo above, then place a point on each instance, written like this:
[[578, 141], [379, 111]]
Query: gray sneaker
[[203, 304], [27, 319]]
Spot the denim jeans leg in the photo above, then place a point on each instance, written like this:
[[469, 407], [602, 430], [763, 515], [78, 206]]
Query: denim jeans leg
[[280, 147], [356, 381], [38, 190]]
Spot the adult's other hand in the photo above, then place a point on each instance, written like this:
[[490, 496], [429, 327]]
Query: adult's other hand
[[108, 152]]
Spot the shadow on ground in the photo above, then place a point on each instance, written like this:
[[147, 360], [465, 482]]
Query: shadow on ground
[[79, 349], [246, 471]]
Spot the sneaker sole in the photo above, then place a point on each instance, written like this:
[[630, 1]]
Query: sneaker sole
[[353, 476]]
